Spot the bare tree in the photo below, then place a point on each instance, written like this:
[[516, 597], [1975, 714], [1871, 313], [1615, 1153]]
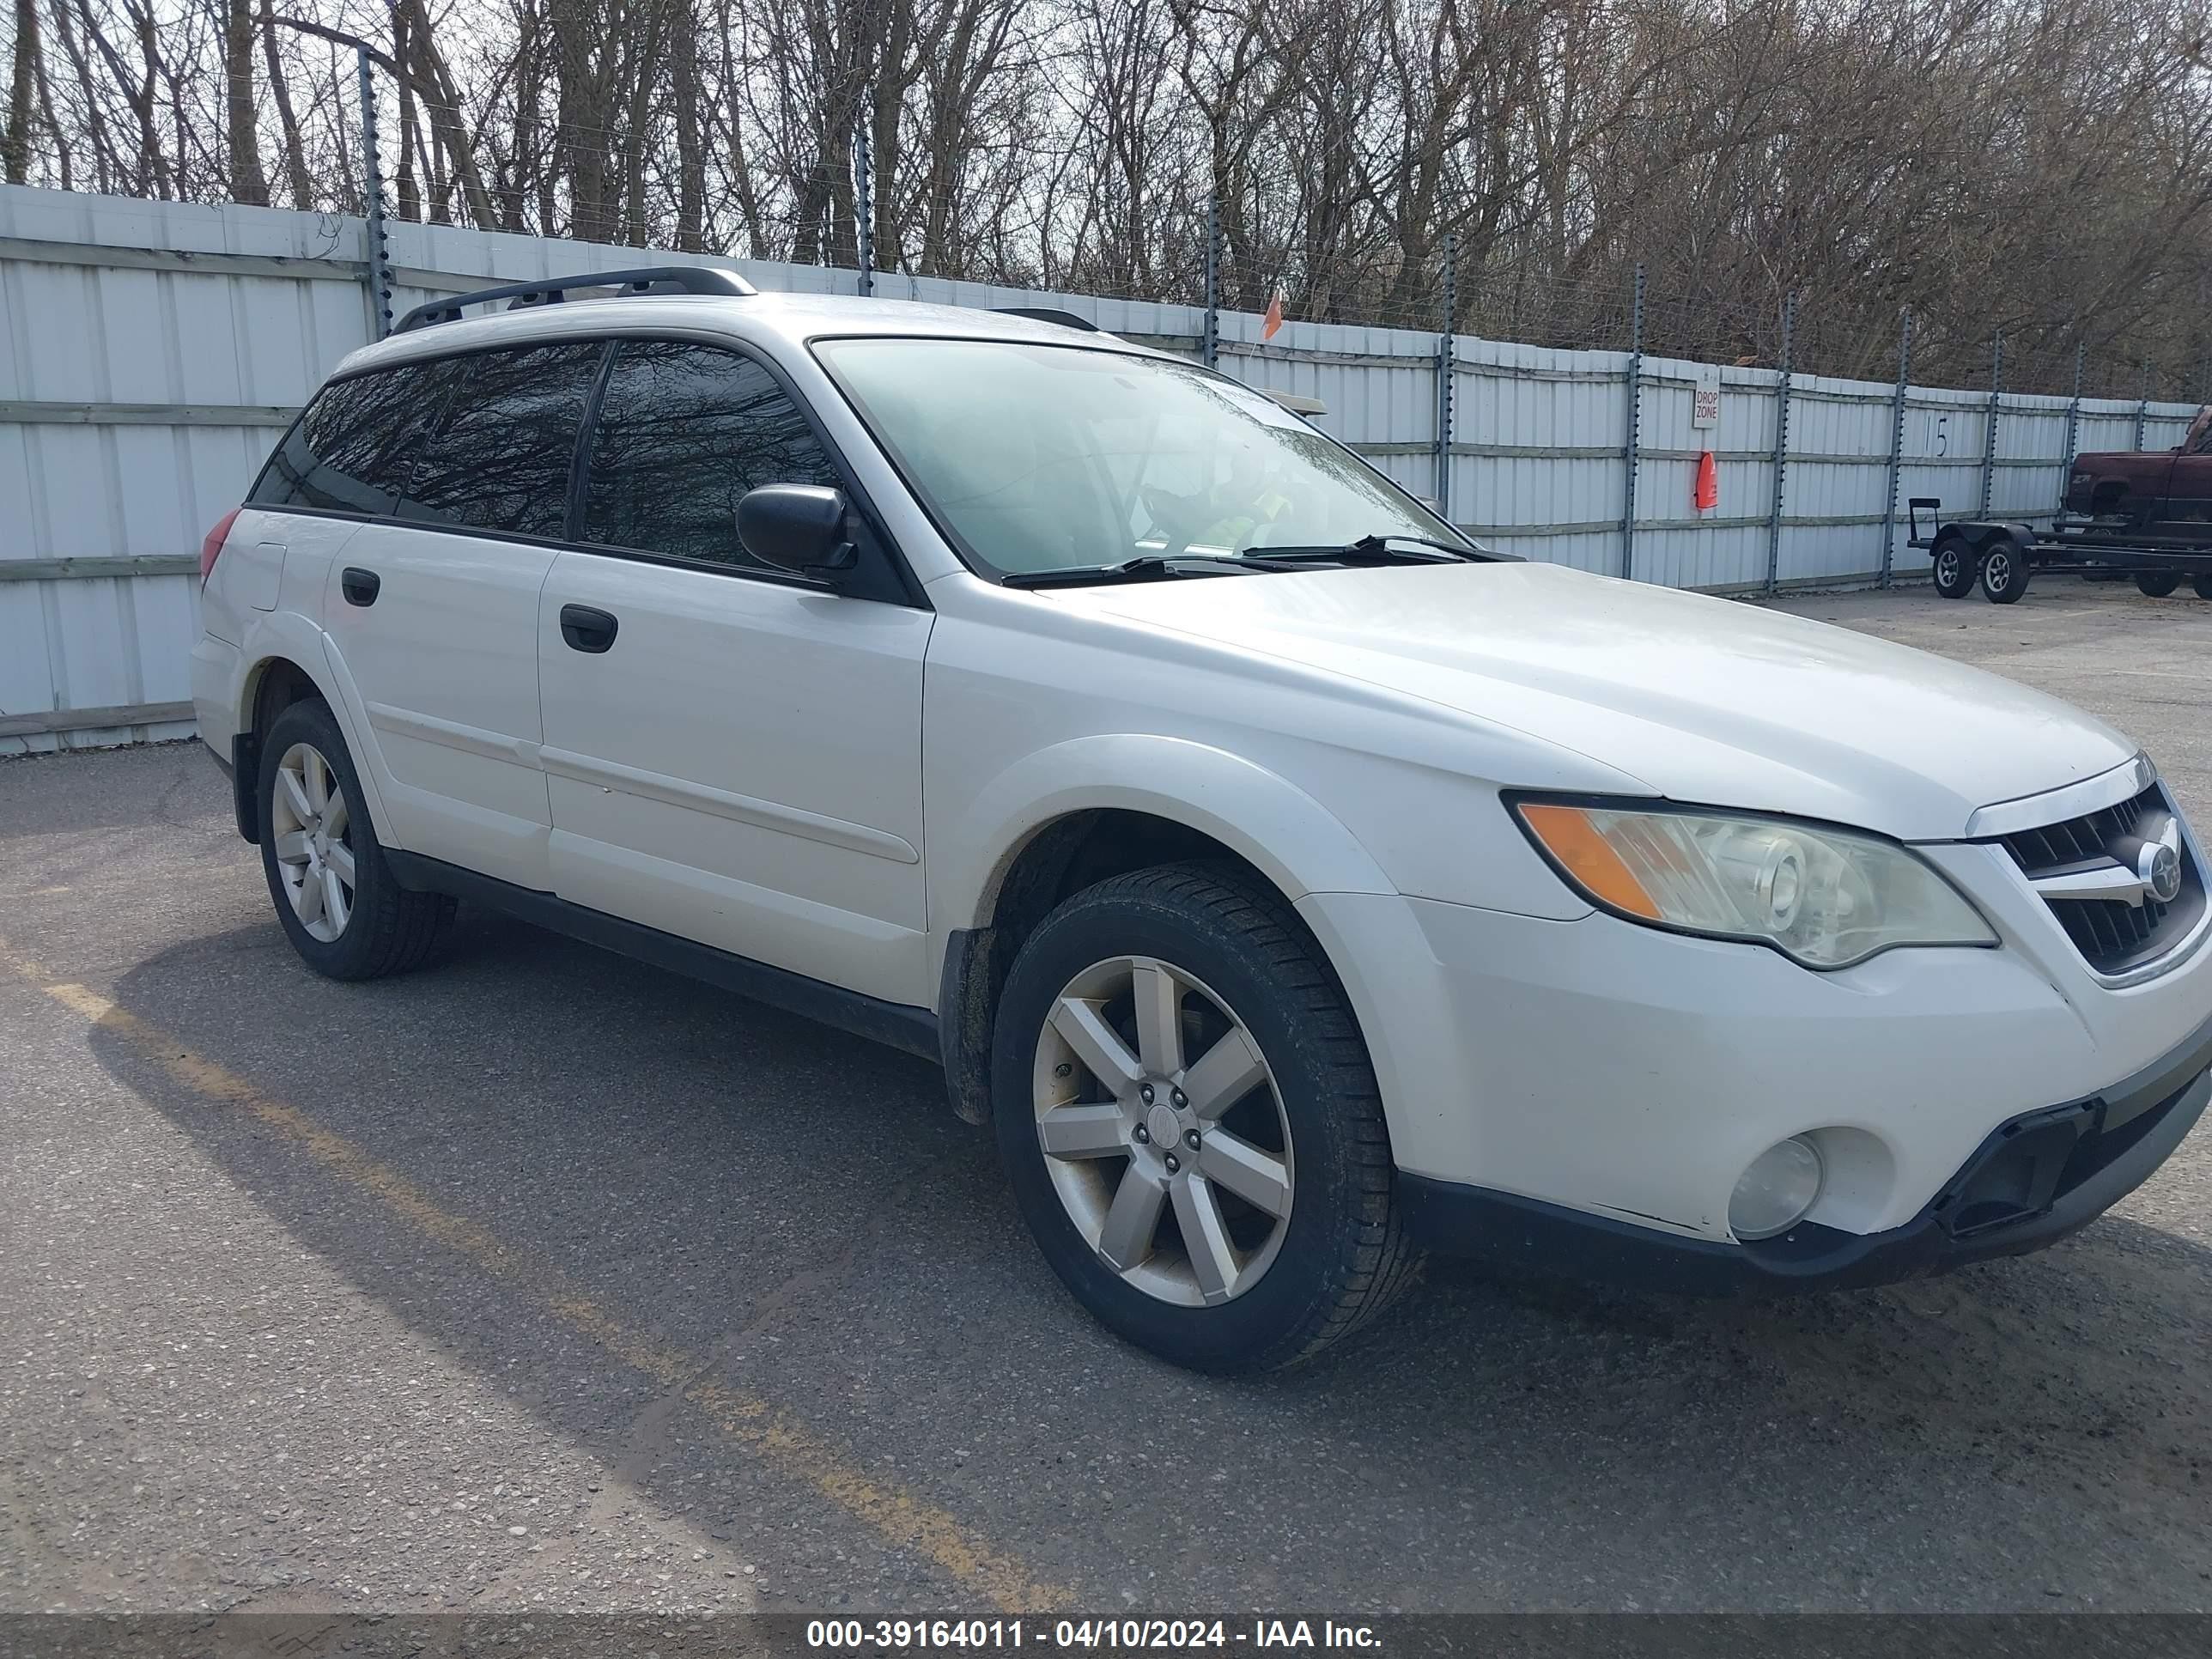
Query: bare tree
[[2046, 170]]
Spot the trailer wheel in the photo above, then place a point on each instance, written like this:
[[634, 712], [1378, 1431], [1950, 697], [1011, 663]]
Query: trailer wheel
[[2157, 584], [1954, 568], [2004, 575], [2202, 585]]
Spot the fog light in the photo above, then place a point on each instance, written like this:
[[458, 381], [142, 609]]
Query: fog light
[[1777, 1190]]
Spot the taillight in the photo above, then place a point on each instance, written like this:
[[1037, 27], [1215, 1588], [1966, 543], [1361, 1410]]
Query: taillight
[[213, 546]]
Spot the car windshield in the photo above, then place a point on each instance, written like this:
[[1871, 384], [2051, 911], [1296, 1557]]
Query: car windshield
[[1040, 458]]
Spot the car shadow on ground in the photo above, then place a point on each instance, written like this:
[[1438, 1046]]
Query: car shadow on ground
[[798, 1212]]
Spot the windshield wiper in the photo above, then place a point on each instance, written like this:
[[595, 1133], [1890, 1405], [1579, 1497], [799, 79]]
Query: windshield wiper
[[1146, 567], [1372, 549], [1151, 566]]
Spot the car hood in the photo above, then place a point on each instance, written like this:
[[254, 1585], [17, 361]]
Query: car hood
[[1704, 700]]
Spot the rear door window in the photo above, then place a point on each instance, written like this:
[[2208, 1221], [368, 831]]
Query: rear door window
[[500, 457], [682, 432], [353, 448]]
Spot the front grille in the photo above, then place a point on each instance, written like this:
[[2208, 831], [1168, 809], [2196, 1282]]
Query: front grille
[[2112, 935]]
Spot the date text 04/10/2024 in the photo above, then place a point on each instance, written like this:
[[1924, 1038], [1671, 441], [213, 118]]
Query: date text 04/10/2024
[[893, 1635]]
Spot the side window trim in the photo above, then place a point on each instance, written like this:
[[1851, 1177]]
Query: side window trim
[[580, 460], [900, 572]]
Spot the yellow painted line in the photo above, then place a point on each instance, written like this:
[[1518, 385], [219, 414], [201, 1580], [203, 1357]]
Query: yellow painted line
[[780, 1439]]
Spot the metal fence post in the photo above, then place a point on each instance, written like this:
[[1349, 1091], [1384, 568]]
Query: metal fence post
[[1896, 443], [2142, 406], [1635, 426], [1210, 346], [1780, 442], [864, 205], [2073, 424], [1444, 375], [378, 265], [1990, 432]]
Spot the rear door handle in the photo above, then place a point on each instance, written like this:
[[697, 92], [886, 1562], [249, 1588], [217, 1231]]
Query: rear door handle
[[361, 585], [586, 628]]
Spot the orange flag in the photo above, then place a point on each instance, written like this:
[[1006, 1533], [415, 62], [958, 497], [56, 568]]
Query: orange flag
[[1274, 319]]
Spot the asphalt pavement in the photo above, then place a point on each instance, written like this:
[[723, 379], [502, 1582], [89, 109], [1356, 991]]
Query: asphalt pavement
[[544, 1279]]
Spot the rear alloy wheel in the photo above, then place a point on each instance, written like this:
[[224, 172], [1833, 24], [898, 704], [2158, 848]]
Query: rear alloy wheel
[[341, 906], [311, 823], [1191, 1124], [2157, 584], [1955, 570], [2004, 576]]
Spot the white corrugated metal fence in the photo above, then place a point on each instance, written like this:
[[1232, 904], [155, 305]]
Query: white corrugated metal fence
[[151, 352]]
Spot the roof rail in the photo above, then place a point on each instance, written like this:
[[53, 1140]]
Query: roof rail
[[1049, 314], [655, 279]]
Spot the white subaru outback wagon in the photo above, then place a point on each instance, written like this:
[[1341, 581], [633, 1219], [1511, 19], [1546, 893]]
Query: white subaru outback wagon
[[1293, 885]]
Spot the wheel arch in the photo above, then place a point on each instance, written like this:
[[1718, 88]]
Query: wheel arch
[[286, 661], [272, 683], [1076, 825], [2109, 495]]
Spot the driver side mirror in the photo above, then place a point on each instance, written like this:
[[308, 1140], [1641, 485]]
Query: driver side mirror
[[798, 528]]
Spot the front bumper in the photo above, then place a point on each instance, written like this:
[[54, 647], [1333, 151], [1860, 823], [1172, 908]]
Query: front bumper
[[2033, 1180], [1597, 1067]]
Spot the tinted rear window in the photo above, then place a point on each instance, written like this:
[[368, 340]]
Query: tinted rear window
[[500, 457], [352, 450]]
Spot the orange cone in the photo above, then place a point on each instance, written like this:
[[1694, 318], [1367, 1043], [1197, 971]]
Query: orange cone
[[1707, 495]]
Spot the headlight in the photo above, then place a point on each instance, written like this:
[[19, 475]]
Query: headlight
[[1824, 897]]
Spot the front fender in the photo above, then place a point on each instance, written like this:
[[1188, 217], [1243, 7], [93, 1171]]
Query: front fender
[[1288, 835]]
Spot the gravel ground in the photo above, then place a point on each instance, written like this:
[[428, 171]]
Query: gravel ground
[[546, 1279]]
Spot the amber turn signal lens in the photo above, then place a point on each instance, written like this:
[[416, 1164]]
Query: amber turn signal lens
[[1568, 834]]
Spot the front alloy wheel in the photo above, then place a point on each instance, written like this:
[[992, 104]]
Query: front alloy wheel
[[314, 829], [1191, 1123], [1163, 1132]]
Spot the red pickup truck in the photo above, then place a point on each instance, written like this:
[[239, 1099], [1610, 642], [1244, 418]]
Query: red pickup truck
[[2165, 492]]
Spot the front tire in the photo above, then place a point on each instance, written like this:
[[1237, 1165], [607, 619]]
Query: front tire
[[2157, 584], [2202, 586], [340, 905], [1954, 568], [1191, 1124]]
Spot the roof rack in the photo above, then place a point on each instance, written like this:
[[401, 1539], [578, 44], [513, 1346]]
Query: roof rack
[[656, 279], [1049, 314]]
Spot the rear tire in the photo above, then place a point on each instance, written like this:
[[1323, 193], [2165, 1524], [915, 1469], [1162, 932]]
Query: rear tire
[[2202, 586], [2004, 575], [1954, 568], [340, 905], [1278, 1158], [2157, 584]]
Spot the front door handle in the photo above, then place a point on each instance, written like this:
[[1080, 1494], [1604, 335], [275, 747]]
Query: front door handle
[[586, 628], [360, 586]]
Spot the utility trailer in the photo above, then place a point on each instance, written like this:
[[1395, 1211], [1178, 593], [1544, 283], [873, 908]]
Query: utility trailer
[[2002, 554]]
